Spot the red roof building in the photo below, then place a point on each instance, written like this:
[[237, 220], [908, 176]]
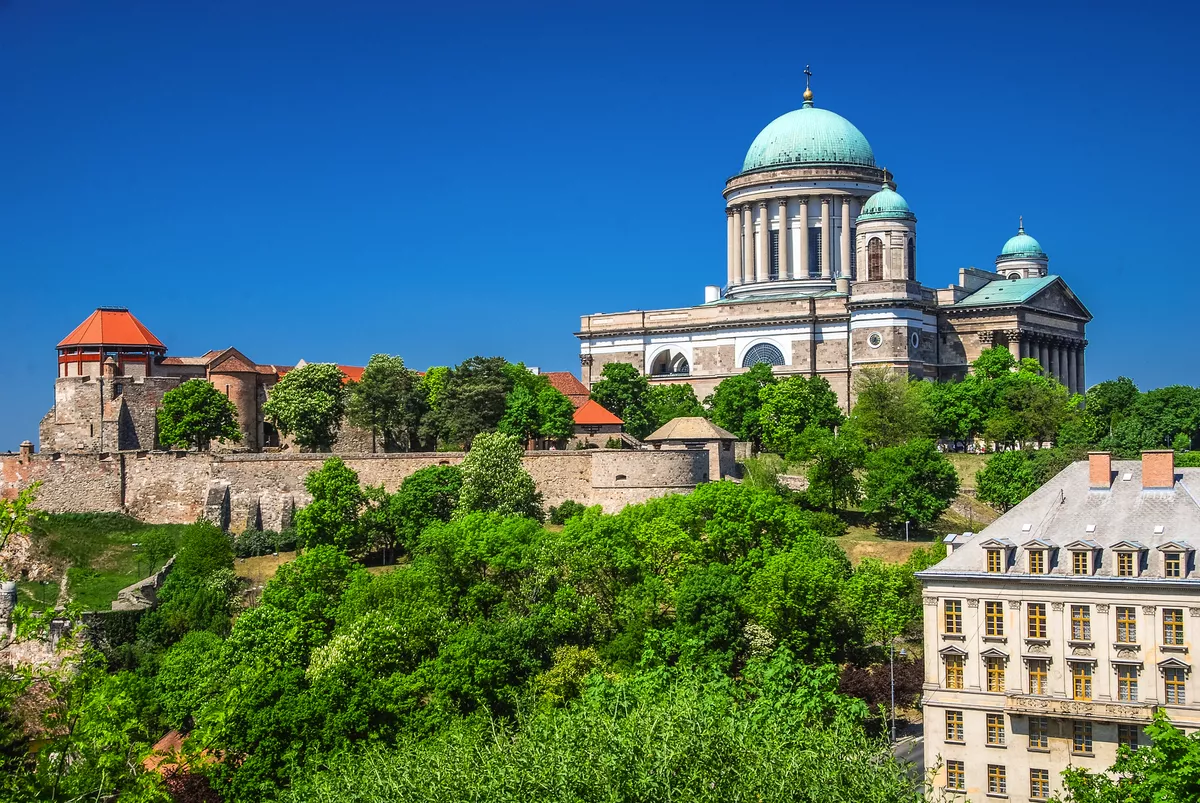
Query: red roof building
[[594, 414], [566, 384], [109, 332]]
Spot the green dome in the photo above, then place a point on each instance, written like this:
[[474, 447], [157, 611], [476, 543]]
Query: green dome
[[1022, 246], [809, 135], [887, 204]]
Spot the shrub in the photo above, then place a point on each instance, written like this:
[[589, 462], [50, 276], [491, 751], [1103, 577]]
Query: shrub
[[613, 443], [568, 509], [252, 543], [285, 540]]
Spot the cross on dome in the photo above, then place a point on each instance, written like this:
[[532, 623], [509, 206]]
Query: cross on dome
[[808, 95]]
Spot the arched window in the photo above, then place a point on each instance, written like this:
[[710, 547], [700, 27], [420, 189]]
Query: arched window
[[875, 260], [762, 352], [1014, 276], [912, 259], [669, 363]]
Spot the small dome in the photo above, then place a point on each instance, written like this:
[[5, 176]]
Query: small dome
[[887, 204], [1022, 246], [809, 135]]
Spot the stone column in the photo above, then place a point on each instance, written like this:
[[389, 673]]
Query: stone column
[[1014, 345], [1044, 357], [732, 248], [1055, 365], [803, 242], [747, 244], [826, 238], [1080, 378], [763, 257], [1071, 370], [784, 264], [844, 268]]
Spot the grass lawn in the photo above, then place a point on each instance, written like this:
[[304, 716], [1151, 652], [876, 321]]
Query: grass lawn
[[258, 571], [99, 553], [37, 595], [966, 465]]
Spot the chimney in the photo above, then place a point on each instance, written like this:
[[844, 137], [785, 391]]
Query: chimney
[[1158, 469], [26, 451], [1099, 470]]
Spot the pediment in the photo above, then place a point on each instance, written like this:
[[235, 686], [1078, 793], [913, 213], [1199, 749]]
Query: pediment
[[1056, 297]]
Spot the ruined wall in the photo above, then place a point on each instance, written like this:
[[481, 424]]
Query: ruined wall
[[71, 483], [166, 487]]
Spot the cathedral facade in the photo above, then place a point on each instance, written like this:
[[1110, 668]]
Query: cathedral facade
[[822, 281]]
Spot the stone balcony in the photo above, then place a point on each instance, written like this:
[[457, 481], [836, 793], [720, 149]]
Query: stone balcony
[[1107, 710]]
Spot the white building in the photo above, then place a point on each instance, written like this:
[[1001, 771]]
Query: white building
[[1056, 633]]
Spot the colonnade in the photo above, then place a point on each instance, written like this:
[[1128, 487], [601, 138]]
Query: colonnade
[[1060, 357], [748, 231]]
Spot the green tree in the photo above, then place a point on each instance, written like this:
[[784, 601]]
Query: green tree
[[188, 675], [1110, 401], [993, 363], [1005, 480], [332, 517], [626, 394], [736, 403], [494, 481], [18, 516], [194, 414], [309, 403], [389, 401], [883, 599], [889, 408], [911, 482], [1156, 419], [473, 401], [788, 407], [521, 419], [426, 496], [668, 402], [556, 414], [833, 469], [1166, 771]]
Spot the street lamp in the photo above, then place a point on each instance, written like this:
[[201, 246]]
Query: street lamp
[[892, 674]]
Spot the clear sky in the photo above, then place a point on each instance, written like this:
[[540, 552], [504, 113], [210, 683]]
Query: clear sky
[[327, 180]]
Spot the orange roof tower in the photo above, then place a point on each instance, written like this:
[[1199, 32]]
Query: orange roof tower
[[594, 414], [112, 328]]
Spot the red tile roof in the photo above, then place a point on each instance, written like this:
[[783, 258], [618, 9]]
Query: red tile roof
[[112, 326], [353, 373], [566, 383], [594, 414]]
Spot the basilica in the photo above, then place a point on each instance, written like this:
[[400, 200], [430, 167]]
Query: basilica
[[822, 280]]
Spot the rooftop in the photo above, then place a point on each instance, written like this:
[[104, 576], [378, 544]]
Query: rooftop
[[592, 413], [1007, 291], [690, 428], [568, 385], [112, 327]]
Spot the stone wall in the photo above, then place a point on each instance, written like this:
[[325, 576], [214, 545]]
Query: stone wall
[[263, 489]]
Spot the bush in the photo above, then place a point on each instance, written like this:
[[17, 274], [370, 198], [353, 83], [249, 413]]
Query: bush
[[252, 543], [285, 540], [613, 443], [568, 509]]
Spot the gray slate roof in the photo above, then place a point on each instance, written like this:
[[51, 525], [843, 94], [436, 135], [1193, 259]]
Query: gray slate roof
[[1063, 510], [690, 428]]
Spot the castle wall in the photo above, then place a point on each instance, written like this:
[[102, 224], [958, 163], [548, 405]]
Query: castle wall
[[71, 483]]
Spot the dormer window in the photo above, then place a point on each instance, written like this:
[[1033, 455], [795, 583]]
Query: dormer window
[[1176, 557], [1037, 561], [1129, 558], [995, 561], [1125, 564], [1173, 564], [1081, 563]]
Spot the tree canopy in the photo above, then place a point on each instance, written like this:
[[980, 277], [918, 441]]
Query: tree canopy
[[309, 403], [626, 394], [389, 401], [911, 482], [194, 414], [736, 402]]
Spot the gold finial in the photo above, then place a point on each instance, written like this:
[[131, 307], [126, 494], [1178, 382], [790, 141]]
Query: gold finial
[[808, 95]]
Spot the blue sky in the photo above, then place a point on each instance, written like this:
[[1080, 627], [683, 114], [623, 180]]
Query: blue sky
[[329, 180]]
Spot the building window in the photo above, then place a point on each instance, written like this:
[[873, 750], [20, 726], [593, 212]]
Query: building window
[[815, 252], [1081, 623], [995, 674], [1037, 561], [911, 263], [1081, 681], [1174, 564], [953, 616], [995, 729], [996, 781], [1039, 733], [1127, 735], [773, 265], [1080, 563], [1125, 564], [995, 561], [954, 726], [994, 617], [954, 671], [1173, 626], [875, 260], [1081, 739], [1037, 620], [1039, 784], [1126, 625], [1127, 678], [853, 274], [762, 352], [1176, 695], [956, 776], [1039, 676]]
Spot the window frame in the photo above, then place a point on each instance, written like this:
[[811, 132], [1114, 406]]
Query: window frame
[[955, 732], [995, 556], [1128, 735], [954, 617], [1039, 739], [1039, 783], [995, 730], [993, 617], [956, 775], [1126, 620], [875, 259], [1037, 561], [1172, 629], [1126, 566], [1175, 686], [994, 671], [1081, 623], [1172, 564], [1082, 677], [1081, 557], [1127, 683], [997, 779], [1035, 613], [1082, 741], [957, 663], [1039, 670]]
